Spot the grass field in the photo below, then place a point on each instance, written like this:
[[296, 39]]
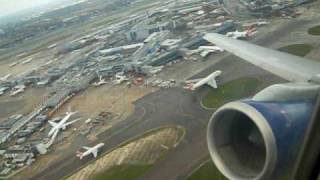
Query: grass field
[[314, 31], [123, 172], [230, 91], [297, 49], [207, 171]]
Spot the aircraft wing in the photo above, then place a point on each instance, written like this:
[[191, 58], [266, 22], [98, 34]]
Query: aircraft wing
[[289, 67], [213, 83], [86, 147], [193, 81], [53, 124], [70, 122]]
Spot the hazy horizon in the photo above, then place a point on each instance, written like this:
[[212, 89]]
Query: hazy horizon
[[10, 7]]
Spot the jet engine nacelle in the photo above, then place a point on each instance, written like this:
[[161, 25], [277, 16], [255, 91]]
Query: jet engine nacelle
[[260, 138]]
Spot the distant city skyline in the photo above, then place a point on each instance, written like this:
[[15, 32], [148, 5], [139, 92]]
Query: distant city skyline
[[8, 7]]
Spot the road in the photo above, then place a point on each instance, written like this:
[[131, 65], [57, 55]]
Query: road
[[174, 106]]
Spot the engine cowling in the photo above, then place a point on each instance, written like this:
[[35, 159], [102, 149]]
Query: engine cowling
[[259, 138]]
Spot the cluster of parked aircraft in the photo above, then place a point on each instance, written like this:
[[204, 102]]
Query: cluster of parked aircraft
[[118, 80], [15, 90], [57, 127]]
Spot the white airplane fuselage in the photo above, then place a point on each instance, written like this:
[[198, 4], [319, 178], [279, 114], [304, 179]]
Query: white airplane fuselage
[[206, 79], [243, 34], [119, 79], [61, 124], [101, 82], [92, 150], [211, 48]]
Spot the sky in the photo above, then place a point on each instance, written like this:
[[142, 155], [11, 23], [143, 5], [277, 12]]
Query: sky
[[8, 7]]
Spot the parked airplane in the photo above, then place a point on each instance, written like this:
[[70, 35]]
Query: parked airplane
[[272, 128], [61, 125], [18, 89], [242, 34], [209, 80], [88, 121], [4, 78], [261, 23], [213, 48], [206, 50], [256, 24], [156, 69], [100, 82], [89, 150], [120, 79]]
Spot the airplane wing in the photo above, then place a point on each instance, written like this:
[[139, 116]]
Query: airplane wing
[[70, 122], [95, 153], [193, 81], [86, 147], [53, 124], [213, 83], [289, 67]]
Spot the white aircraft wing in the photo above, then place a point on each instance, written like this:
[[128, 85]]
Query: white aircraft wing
[[70, 122], [289, 67], [193, 80], [95, 153], [53, 124], [213, 83], [86, 147]]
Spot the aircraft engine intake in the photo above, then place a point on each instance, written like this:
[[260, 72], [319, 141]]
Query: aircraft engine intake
[[259, 138]]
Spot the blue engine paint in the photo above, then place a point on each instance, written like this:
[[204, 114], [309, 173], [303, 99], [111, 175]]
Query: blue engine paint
[[288, 121]]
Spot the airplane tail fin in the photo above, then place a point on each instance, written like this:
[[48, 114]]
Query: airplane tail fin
[[213, 83]]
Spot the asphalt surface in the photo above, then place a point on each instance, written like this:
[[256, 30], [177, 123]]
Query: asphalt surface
[[174, 106]]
